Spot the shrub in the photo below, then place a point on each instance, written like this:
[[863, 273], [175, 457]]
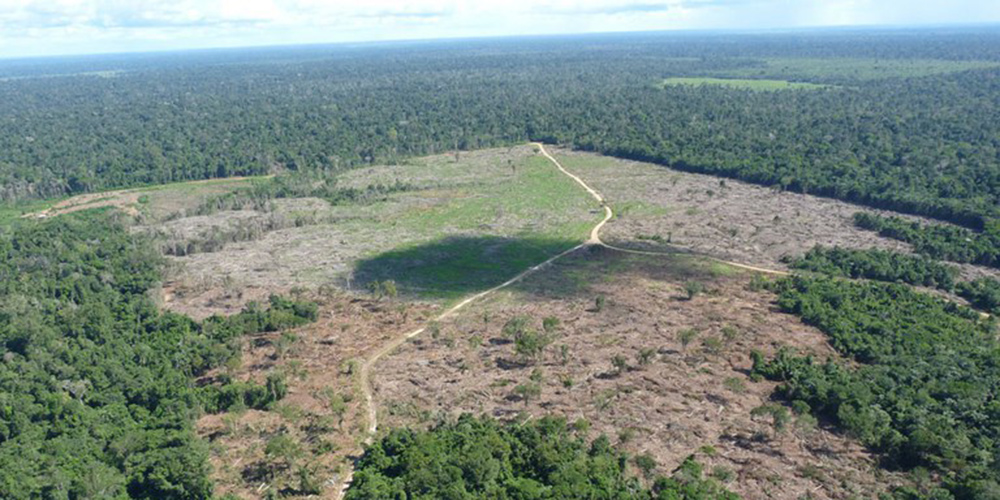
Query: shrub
[[692, 289], [481, 458], [646, 463], [686, 336], [530, 345], [734, 384], [528, 391], [550, 324], [712, 345], [645, 356], [619, 363], [729, 332], [722, 473], [599, 303]]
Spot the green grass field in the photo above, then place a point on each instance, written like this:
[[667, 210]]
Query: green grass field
[[856, 69], [735, 83], [10, 212]]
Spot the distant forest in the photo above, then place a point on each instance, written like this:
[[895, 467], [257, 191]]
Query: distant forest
[[906, 120], [99, 388]]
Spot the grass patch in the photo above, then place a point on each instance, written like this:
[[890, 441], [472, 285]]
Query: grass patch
[[477, 233], [856, 69], [637, 208], [10, 212], [538, 192], [744, 84], [719, 269]]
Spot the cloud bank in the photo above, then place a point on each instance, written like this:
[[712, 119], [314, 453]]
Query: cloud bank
[[45, 27]]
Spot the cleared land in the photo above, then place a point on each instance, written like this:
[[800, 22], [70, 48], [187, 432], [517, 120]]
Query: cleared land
[[683, 388], [162, 199], [661, 209], [466, 224], [763, 85], [320, 423], [660, 373], [858, 69]]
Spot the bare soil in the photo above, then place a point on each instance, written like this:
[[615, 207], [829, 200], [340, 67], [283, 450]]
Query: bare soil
[[689, 399]]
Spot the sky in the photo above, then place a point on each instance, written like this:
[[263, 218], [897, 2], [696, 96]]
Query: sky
[[55, 27]]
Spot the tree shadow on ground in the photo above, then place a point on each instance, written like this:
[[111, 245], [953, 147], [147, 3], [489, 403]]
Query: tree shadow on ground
[[456, 266]]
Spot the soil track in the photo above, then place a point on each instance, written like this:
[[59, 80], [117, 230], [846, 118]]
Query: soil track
[[594, 239], [124, 199], [595, 234]]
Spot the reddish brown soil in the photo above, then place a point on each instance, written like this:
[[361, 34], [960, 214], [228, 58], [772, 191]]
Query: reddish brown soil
[[687, 400]]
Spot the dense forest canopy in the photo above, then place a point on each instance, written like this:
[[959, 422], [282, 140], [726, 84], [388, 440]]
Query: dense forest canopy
[[881, 265], [97, 386], [475, 458], [97, 395], [922, 389], [909, 120]]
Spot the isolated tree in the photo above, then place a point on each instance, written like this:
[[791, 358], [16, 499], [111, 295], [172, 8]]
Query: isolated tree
[[530, 345], [686, 335], [528, 391], [599, 303], [645, 356]]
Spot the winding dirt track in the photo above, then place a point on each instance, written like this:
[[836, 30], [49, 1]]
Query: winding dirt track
[[364, 376], [595, 234]]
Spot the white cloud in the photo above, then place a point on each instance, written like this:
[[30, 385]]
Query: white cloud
[[30, 27]]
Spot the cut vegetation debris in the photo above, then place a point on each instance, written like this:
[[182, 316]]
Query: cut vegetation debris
[[465, 222]]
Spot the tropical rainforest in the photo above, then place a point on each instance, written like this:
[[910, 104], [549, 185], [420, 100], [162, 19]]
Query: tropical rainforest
[[99, 387], [920, 392], [97, 390], [901, 121], [479, 458]]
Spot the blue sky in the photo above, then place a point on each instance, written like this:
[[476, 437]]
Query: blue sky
[[49, 27]]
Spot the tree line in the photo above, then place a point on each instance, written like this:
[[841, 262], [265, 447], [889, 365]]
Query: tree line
[[894, 267], [920, 390], [914, 141], [548, 458], [939, 241], [97, 393]]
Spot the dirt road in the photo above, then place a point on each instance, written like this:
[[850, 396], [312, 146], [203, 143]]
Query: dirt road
[[123, 199], [595, 234], [364, 375]]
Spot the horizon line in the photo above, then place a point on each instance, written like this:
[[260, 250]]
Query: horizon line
[[446, 39]]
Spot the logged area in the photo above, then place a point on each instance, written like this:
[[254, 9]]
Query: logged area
[[619, 344], [454, 224], [645, 266], [663, 209]]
